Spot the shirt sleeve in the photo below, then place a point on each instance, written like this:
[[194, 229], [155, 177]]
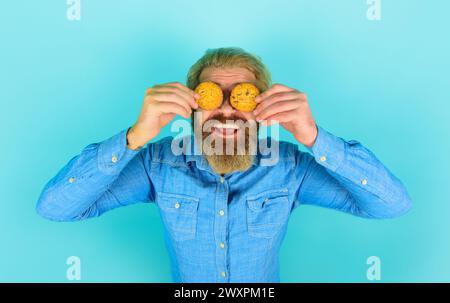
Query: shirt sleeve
[[102, 177], [348, 177]]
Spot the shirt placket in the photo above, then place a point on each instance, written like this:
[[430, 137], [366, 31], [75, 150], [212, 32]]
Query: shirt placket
[[221, 230]]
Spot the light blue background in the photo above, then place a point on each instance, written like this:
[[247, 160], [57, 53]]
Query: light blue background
[[67, 84]]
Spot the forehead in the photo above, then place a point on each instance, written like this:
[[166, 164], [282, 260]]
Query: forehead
[[227, 77]]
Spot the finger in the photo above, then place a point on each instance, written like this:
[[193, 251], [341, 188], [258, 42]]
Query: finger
[[167, 107], [180, 88], [278, 107], [276, 88], [269, 122], [187, 96], [172, 97], [282, 117], [282, 96], [184, 88]]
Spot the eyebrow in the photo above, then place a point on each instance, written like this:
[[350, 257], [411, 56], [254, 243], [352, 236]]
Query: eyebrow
[[234, 84]]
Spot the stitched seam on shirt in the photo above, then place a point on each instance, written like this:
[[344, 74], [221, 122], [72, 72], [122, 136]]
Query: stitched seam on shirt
[[284, 191], [148, 173], [344, 159], [174, 164], [311, 160]]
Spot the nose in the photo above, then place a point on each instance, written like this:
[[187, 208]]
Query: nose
[[226, 107]]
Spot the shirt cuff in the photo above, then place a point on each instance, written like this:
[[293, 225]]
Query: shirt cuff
[[328, 150], [113, 154]]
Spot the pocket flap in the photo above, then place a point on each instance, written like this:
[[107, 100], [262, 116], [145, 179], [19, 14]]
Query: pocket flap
[[259, 201], [177, 202]]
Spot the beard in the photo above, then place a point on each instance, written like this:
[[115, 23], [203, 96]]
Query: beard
[[228, 149]]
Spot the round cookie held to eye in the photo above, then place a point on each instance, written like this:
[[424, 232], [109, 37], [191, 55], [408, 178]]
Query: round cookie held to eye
[[211, 95], [243, 97]]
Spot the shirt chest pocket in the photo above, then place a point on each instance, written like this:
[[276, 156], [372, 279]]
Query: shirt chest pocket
[[267, 212], [179, 214]]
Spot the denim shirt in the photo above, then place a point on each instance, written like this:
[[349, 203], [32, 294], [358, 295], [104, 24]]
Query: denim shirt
[[223, 229]]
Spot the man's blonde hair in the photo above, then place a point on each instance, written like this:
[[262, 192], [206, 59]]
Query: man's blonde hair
[[230, 57]]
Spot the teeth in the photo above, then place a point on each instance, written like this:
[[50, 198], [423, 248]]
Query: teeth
[[227, 125]]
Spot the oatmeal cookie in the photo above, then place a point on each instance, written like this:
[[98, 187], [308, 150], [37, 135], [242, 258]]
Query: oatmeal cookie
[[211, 95], [243, 97]]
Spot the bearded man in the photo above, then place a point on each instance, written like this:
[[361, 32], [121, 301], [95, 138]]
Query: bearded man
[[224, 209]]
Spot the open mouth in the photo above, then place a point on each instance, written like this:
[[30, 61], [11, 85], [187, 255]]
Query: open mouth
[[225, 130]]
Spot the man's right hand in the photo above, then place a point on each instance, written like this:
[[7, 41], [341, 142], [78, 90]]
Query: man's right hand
[[161, 104]]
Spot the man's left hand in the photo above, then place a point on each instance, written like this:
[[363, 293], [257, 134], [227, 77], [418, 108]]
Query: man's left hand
[[290, 108]]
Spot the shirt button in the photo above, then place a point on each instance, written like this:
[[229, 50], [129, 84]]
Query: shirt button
[[363, 181], [323, 159], [222, 245], [177, 205], [221, 212], [223, 274], [71, 180], [114, 159]]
